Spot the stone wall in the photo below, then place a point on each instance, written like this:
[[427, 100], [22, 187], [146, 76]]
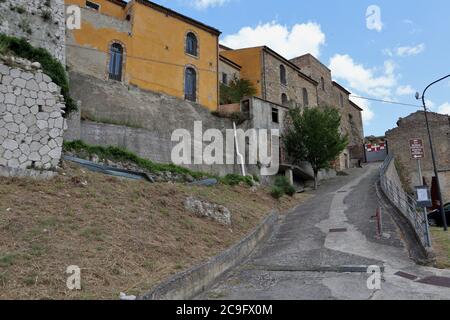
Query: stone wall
[[138, 120], [413, 127], [294, 87], [316, 70], [42, 22], [31, 122]]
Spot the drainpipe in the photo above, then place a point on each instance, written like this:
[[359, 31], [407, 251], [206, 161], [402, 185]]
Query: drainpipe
[[240, 156]]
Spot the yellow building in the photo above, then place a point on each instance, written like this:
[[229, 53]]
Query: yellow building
[[147, 45]]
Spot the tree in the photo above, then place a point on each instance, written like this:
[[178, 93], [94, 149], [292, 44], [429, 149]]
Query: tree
[[313, 136], [236, 90]]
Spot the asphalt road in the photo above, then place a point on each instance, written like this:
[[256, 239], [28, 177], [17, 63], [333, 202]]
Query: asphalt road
[[307, 258]]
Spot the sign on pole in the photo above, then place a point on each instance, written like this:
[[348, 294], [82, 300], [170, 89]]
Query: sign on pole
[[417, 149]]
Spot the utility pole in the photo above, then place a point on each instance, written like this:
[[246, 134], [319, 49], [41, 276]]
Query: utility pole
[[436, 171]]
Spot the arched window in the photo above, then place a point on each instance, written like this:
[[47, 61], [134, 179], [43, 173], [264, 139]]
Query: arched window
[[322, 82], [341, 100], [190, 84], [305, 97], [115, 61], [191, 44], [283, 75], [284, 99]]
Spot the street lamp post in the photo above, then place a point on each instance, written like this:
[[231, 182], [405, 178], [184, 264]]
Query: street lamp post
[[436, 173]]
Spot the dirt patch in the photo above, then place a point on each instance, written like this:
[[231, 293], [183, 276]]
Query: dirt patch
[[125, 235], [441, 246]]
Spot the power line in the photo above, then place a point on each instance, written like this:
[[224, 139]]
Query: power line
[[387, 101]]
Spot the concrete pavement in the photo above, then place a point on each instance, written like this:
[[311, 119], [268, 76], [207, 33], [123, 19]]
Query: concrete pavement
[[322, 248]]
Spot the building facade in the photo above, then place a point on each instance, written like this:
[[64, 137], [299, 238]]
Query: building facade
[[332, 94], [414, 127], [275, 78], [144, 44]]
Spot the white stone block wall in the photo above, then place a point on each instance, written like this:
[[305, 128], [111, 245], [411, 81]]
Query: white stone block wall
[[25, 19], [31, 116]]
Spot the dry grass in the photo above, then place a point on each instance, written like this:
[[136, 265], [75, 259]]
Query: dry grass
[[441, 245], [126, 236]]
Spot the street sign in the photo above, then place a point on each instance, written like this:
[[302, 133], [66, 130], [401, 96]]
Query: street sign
[[423, 197], [417, 149]]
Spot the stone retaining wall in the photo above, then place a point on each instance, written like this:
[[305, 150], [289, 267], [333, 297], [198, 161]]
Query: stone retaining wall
[[31, 121]]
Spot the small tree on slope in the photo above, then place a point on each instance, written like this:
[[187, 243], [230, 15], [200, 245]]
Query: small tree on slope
[[313, 136]]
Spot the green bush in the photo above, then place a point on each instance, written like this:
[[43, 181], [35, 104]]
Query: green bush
[[119, 154], [235, 179], [283, 184], [51, 66], [276, 192]]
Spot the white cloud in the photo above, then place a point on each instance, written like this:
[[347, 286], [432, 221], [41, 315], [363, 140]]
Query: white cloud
[[404, 51], [363, 79], [444, 108], [410, 50], [300, 39], [203, 4], [405, 91]]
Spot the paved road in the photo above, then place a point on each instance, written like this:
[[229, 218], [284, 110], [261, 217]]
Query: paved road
[[304, 260]]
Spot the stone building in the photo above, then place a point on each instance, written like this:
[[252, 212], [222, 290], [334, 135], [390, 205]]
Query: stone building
[[275, 78], [330, 93], [414, 127], [41, 22], [228, 70], [147, 45]]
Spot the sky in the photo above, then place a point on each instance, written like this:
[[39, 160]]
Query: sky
[[377, 49]]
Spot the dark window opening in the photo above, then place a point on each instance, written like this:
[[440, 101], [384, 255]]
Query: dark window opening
[[128, 17], [275, 118], [322, 81], [283, 75], [190, 85], [305, 98], [92, 5], [191, 44], [284, 99], [245, 107], [341, 100], [224, 78], [115, 62]]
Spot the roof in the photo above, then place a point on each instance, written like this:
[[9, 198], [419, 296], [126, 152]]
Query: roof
[[172, 13], [230, 62], [224, 47], [341, 87], [119, 2], [314, 58], [290, 63], [356, 106]]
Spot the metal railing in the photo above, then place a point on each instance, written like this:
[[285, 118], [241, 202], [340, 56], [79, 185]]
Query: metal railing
[[405, 203]]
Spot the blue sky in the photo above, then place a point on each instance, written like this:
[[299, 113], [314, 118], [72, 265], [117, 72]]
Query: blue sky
[[391, 58]]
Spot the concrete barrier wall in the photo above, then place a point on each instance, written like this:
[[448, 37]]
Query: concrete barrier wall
[[192, 282]]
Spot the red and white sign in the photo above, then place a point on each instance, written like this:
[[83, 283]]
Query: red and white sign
[[417, 150], [375, 147]]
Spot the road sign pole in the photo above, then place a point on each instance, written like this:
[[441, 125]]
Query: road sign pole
[[425, 213]]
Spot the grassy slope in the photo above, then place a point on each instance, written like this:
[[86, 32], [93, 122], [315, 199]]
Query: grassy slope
[[125, 235], [441, 245]]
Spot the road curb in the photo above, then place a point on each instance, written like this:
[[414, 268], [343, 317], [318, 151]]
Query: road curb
[[194, 281]]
